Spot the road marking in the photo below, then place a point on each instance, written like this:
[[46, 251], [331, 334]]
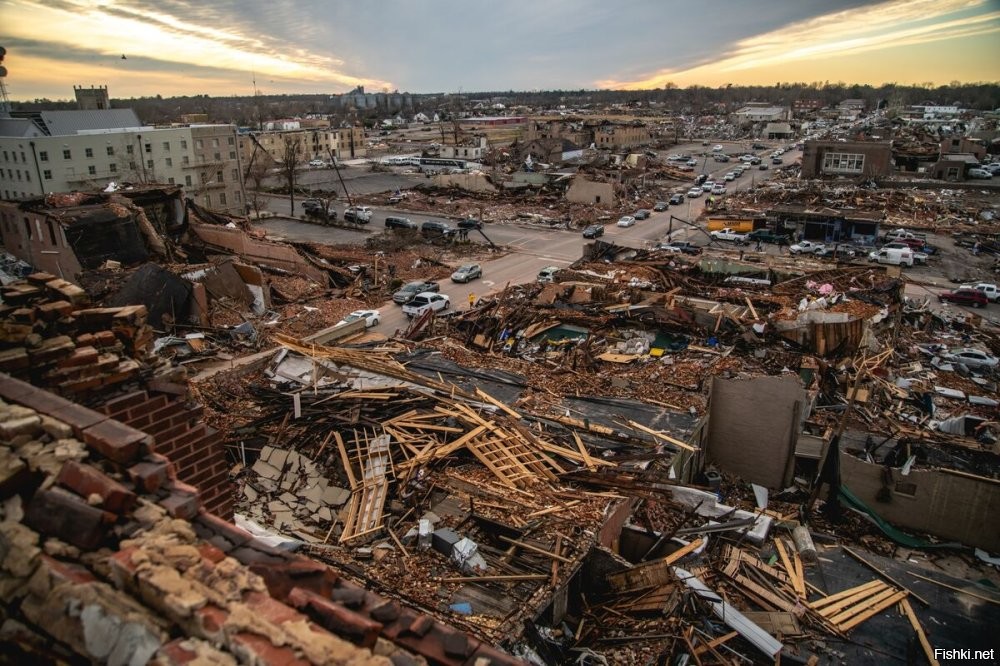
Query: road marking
[[488, 283]]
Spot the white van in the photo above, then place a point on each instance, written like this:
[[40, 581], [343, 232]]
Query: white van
[[893, 256]]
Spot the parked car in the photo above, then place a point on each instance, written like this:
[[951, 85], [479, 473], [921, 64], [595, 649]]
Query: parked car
[[700, 179], [470, 223], [717, 148], [981, 174], [837, 250], [358, 214], [763, 167], [968, 356], [718, 189], [707, 186], [962, 296], [730, 176], [660, 206], [893, 256], [758, 146], [593, 231], [626, 221], [767, 236], [692, 162], [547, 275], [435, 230], [371, 317], [392, 222], [641, 214], [776, 160], [680, 247], [676, 199], [467, 273], [317, 163], [408, 291], [425, 301], [729, 234], [806, 247], [694, 193], [987, 288], [721, 157]]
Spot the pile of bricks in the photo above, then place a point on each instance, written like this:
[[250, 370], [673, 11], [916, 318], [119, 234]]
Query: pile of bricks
[[49, 337], [108, 557]]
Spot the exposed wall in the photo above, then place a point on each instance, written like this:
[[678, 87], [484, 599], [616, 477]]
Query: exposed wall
[[471, 182], [877, 157], [948, 505], [181, 435], [752, 427], [259, 252], [590, 192]]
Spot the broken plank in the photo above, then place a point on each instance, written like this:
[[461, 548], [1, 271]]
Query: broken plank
[[490, 579], [536, 549], [661, 435], [917, 627], [846, 593], [878, 608], [886, 576]]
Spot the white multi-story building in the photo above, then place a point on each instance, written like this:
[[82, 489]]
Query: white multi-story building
[[62, 151]]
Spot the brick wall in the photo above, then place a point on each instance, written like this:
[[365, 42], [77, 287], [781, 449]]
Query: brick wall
[[179, 433]]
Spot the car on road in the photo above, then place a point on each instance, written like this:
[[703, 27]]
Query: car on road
[[408, 291], [758, 146], [806, 247], [720, 157], [717, 148], [680, 247], [961, 296], [893, 256], [837, 250], [470, 223], [371, 317], [676, 199], [692, 162], [767, 236], [719, 189], [980, 173], [730, 176], [763, 167], [425, 301], [700, 179], [970, 357], [707, 186], [660, 206], [641, 214], [436, 230], [359, 214], [729, 234], [694, 193], [317, 163], [393, 222], [988, 288], [467, 273], [626, 221], [593, 231], [776, 160]]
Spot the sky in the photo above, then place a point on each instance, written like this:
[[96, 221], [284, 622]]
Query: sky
[[232, 47]]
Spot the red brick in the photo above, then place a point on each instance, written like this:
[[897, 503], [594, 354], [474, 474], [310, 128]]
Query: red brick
[[117, 441], [63, 515], [336, 618], [86, 480], [150, 476], [122, 403], [66, 572], [181, 505], [148, 407], [211, 553], [174, 653], [78, 417], [254, 649]]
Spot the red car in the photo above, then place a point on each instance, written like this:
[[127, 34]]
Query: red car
[[973, 297]]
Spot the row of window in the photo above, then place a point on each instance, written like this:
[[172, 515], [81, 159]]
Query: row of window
[[67, 154], [14, 194], [843, 163], [10, 221], [10, 175]]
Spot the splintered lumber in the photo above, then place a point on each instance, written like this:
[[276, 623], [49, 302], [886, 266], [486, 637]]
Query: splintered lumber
[[714, 643], [797, 584], [583, 452], [886, 576], [662, 435], [536, 549], [345, 459], [834, 603], [496, 403], [651, 574], [879, 606], [491, 579], [917, 627], [956, 589], [552, 509], [752, 310]]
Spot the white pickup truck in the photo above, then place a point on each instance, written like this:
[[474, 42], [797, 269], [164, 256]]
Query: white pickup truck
[[988, 288], [424, 301], [728, 234]]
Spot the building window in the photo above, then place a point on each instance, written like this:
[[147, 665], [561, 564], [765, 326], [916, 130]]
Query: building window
[[169, 162], [110, 150], [208, 199], [27, 227], [149, 164], [187, 180], [198, 144], [166, 146], [235, 175], [843, 163], [42, 155], [132, 165], [218, 156], [232, 141], [7, 159], [218, 177], [52, 232], [215, 143], [130, 149], [92, 170], [170, 180], [47, 174], [238, 197], [88, 152], [23, 158], [113, 168], [232, 154], [27, 175], [149, 147], [184, 144], [222, 198], [19, 174], [185, 160], [67, 155]]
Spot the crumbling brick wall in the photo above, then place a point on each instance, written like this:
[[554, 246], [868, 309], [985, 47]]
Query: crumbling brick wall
[[194, 447]]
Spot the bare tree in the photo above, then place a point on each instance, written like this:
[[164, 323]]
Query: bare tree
[[255, 175], [289, 163]]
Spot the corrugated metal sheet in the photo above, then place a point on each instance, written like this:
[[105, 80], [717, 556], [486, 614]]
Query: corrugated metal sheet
[[61, 123]]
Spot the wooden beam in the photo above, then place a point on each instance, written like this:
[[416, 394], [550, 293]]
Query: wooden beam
[[956, 589], [846, 593], [878, 608], [681, 552], [714, 643], [536, 549], [491, 579], [915, 623], [660, 435]]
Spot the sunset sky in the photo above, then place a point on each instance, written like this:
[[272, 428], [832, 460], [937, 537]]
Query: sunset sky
[[190, 47]]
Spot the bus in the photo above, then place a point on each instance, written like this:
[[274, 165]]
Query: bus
[[442, 162]]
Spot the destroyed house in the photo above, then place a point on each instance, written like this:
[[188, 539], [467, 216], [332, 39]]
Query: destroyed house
[[64, 234], [846, 159], [828, 225]]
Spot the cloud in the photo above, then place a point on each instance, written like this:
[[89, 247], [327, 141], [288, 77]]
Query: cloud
[[194, 36], [900, 23]]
